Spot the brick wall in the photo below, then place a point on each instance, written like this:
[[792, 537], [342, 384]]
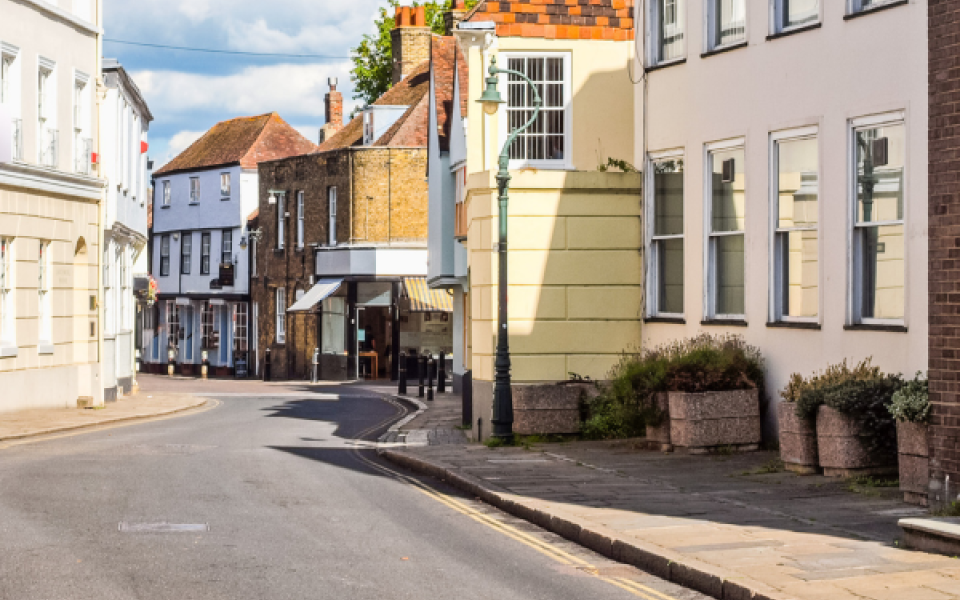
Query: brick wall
[[944, 235]]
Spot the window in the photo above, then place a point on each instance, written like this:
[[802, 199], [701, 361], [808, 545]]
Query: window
[[858, 6], [108, 294], [124, 290], [164, 255], [225, 186], [546, 143], [667, 31], [173, 323], [166, 193], [878, 232], [725, 241], [791, 14], [726, 23], [44, 313], [10, 95], [47, 134], [205, 253], [7, 303], [281, 207], [240, 328], [6, 75], [332, 213], [82, 141], [665, 272], [186, 252], [300, 217], [194, 190], [207, 334], [226, 247], [254, 241], [281, 316], [795, 210]]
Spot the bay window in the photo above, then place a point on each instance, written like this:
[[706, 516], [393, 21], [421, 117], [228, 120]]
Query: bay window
[[726, 214]]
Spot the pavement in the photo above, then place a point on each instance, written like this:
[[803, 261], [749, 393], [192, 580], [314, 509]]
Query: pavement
[[732, 527]]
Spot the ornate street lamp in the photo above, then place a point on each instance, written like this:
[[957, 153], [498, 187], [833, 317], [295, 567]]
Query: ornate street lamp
[[502, 394]]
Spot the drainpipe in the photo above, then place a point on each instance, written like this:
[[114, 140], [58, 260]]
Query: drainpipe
[[97, 383]]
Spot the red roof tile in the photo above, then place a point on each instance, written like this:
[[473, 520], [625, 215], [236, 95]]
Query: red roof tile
[[558, 19], [447, 55]]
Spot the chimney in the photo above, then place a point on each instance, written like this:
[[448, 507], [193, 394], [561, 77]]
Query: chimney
[[333, 102], [453, 17], [411, 41]]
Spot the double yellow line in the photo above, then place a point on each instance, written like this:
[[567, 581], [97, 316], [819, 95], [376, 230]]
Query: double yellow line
[[560, 556]]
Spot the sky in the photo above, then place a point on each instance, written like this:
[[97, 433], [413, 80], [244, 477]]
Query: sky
[[190, 92]]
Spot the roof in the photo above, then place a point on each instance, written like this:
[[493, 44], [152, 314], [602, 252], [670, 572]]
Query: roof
[[558, 19], [252, 216], [245, 141], [448, 58], [409, 130]]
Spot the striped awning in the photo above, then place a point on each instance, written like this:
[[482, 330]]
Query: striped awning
[[424, 299]]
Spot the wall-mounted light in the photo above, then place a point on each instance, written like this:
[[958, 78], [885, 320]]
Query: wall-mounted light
[[176, 237]]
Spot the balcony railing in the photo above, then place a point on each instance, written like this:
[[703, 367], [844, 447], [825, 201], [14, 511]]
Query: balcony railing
[[50, 148], [17, 139], [460, 224], [84, 150]]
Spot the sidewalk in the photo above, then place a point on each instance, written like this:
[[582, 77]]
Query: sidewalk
[[734, 527], [434, 424], [44, 421]]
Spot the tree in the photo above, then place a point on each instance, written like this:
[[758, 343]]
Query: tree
[[372, 72]]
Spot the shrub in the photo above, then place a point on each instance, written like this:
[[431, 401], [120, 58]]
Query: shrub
[[809, 393], [911, 403], [868, 400]]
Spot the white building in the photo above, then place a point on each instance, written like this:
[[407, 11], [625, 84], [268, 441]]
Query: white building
[[50, 195], [124, 121], [786, 186]]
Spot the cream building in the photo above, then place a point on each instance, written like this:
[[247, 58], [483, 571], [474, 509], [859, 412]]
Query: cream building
[[786, 172], [49, 203]]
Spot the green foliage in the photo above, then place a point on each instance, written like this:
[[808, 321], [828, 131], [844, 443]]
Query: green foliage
[[809, 393], [614, 163], [868, 401], [627, 405], [372, 71], [496, 443], [911, 403]]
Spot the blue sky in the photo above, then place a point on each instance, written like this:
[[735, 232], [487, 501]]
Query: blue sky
[[190, 92]]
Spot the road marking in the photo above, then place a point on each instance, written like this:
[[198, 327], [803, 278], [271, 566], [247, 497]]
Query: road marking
[[164, 527]]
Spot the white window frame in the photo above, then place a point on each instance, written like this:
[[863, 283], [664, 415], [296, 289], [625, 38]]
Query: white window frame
[[778, 17], [857, 6], [281, 306], [300, 218], [206, 247], [82, 140], [775, 276], [44, 302], [186, 252], [653, 283], [164, 255], [654, 32], [566, 163], [225, 185], [281, 219], [711, 15], [173, 324], [194, 190], [226, 247], [853, 276], [332, 216], [166, 193], [241, 327], [8, 303], [47, 132], [254, 241], [709, 274]]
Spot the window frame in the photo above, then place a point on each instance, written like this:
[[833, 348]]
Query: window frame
[[8, 301], [280, 302], [778, 16], [652, 279], [856, 7], [194, 190], [300, 219], [854, 292], [166, 193], [711, 16], [186, 252], [241, 327], [332, 215], [566, 163], [226, 247], [44, 291], [164, 255], [281, 219], [654, 34], [774, 275], [709, 271], [225, 185], [206, 246]]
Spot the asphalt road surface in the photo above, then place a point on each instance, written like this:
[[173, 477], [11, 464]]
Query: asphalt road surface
[[270, 498]]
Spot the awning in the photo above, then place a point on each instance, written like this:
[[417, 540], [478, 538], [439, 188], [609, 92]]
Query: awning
[[425, 299], [323, 289]]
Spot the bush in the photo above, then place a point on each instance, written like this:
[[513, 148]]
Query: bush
[[868, 400], [626, 406], [911, 403], [809, 393]]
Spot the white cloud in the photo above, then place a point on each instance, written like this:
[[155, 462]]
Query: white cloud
[[181, 141]]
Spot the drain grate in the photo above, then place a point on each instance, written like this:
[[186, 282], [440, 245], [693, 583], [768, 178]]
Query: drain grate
[[163, 527]]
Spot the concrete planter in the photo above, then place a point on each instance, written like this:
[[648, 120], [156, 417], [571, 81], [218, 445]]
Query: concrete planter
[[548, 409], [798, 441], [914, 460], [841, 444], [701, 423]]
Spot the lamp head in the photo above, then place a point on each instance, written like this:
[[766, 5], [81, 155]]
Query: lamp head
[[491, 99]]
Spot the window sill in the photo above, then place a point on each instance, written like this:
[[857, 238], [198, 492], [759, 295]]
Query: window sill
[[716, 51], [197, 203], [872, 327], [164, 206], [724, 322], [225, 199], [788, 32], [870, 11], [279, 250], [9, 351], [794, 325], [671, 320], [664, 65], [45, 349]]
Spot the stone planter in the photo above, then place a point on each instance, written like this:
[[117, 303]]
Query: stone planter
[[914, 459], [701, 423], [548, 409], [841, 444], [798, 441]]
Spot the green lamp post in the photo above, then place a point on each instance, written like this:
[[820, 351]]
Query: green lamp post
[[502, 394]]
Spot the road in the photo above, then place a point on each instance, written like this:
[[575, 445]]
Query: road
[[275, 495]]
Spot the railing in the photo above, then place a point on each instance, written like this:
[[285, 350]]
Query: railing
[[84, 150], [460, 223], [50, 148], [17, 139]]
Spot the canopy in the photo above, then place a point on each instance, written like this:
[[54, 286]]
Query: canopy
[[425, 299], [323, 289]]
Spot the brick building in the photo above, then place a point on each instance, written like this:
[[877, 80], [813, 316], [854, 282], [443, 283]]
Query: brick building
[[343, 229]]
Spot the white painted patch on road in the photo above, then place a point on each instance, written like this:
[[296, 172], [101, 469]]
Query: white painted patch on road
[[163, 527], [518, 461]]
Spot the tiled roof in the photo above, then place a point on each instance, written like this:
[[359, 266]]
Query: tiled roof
[[254, 214], [245, 141], [447, 54], [559, 19]]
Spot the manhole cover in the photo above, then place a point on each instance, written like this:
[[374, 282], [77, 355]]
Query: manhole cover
[[163, 527]]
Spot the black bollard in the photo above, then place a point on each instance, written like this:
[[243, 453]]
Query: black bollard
[[421, 367], [430, 370], [402, 390], [442, 374], [266, 366]]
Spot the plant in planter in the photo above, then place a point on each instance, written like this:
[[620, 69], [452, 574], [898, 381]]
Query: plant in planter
[[910, 407]]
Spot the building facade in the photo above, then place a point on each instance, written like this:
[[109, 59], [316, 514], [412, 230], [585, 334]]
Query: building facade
[[786, 180], [50, 195], [124, 122], [202, 200]]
